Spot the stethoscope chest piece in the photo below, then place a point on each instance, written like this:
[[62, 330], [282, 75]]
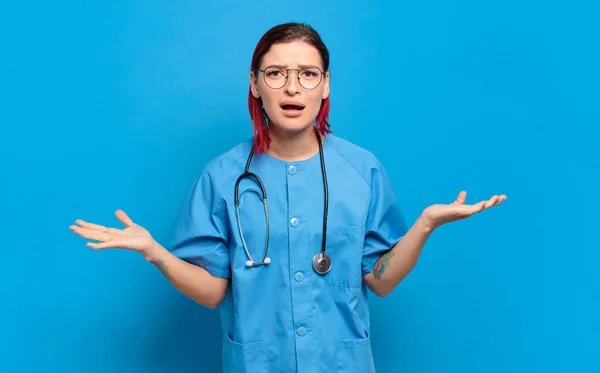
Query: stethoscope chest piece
[[321, 263]]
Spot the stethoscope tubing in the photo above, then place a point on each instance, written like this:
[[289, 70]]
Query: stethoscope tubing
[[247, 173]]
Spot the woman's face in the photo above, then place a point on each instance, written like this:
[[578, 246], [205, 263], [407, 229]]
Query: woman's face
[[291, 107]]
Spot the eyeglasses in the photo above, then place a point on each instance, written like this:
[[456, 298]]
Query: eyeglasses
[[276, 77]]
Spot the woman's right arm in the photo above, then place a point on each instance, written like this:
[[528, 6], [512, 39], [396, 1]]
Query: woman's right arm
[[191, 280]]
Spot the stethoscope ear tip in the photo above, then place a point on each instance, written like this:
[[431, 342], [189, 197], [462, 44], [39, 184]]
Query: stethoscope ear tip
[[267, 260], [248, 263]]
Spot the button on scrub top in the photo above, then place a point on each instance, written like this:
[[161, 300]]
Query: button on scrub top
[[284, 317]]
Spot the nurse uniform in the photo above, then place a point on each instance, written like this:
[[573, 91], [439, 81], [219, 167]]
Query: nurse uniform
[[285, 317]]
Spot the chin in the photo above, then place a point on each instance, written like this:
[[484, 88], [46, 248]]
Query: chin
[[292, 124]]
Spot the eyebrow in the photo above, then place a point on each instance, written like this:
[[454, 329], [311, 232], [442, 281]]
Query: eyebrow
[[286, 66]]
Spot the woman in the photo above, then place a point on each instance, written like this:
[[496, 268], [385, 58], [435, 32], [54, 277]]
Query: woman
[[301, 304]]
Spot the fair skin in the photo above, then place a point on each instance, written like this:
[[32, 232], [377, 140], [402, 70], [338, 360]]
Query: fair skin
[[292, 139], [393, 266]]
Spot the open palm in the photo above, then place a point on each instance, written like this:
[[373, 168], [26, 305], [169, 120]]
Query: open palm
[[440, 214], [133, 237]]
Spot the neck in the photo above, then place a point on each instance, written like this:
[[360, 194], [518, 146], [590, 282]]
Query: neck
[[293, 146]]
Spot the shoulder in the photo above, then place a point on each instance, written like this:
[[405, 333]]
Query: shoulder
[[227, 165], [362, 160]]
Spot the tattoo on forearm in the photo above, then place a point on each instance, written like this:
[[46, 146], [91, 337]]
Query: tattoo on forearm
[[161, 266], [382, 264]]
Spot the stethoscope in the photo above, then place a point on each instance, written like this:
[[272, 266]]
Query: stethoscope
[[321, 261]]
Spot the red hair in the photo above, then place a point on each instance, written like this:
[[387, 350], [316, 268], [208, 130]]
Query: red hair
[[284, 34]]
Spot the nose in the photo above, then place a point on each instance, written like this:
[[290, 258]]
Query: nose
[[292, 84]]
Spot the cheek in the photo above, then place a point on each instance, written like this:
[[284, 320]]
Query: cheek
[[270, 104], [315, 100], [270, 100], [268, 97]]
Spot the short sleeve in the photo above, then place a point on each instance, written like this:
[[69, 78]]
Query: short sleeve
[[385, 224], [199, 234]]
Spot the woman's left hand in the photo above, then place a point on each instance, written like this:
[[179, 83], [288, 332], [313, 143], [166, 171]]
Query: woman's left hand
[[436, 215]]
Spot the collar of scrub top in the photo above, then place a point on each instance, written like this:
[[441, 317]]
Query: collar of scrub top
[[321, 261]]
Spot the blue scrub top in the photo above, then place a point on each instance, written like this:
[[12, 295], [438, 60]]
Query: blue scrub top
[[284, 317]]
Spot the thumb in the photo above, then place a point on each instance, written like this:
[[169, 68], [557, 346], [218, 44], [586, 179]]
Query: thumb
[[122, 216], [461, 198]]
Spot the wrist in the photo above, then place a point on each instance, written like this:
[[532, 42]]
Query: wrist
[[425, 224], [151, 251]]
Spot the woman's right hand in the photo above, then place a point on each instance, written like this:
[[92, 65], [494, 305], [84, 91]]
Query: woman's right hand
[[133, 237]]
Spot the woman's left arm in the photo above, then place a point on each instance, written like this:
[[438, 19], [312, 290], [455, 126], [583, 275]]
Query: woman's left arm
[[393, 266]]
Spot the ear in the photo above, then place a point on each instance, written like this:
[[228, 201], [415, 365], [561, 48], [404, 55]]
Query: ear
[[254, 84], [326, 89]]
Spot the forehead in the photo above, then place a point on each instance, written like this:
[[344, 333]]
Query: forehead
[[292, 54]]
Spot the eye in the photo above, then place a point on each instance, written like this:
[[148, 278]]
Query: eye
[[309, 74], [274, 73]]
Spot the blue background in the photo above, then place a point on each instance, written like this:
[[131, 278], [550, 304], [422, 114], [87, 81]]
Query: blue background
[[111, 104]]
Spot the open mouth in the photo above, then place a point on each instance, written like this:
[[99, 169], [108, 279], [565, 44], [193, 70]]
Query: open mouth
[[292, 107], [292, 110]]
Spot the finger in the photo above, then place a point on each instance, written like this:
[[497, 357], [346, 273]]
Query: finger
[[463, 211], [91, 234], [88, 225], [95, 227], [480, 206], [491, 202], [498, 200], [461, 197], [104, 245], [122, 216]]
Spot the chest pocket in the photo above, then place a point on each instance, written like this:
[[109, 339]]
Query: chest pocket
[[344, 247]]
